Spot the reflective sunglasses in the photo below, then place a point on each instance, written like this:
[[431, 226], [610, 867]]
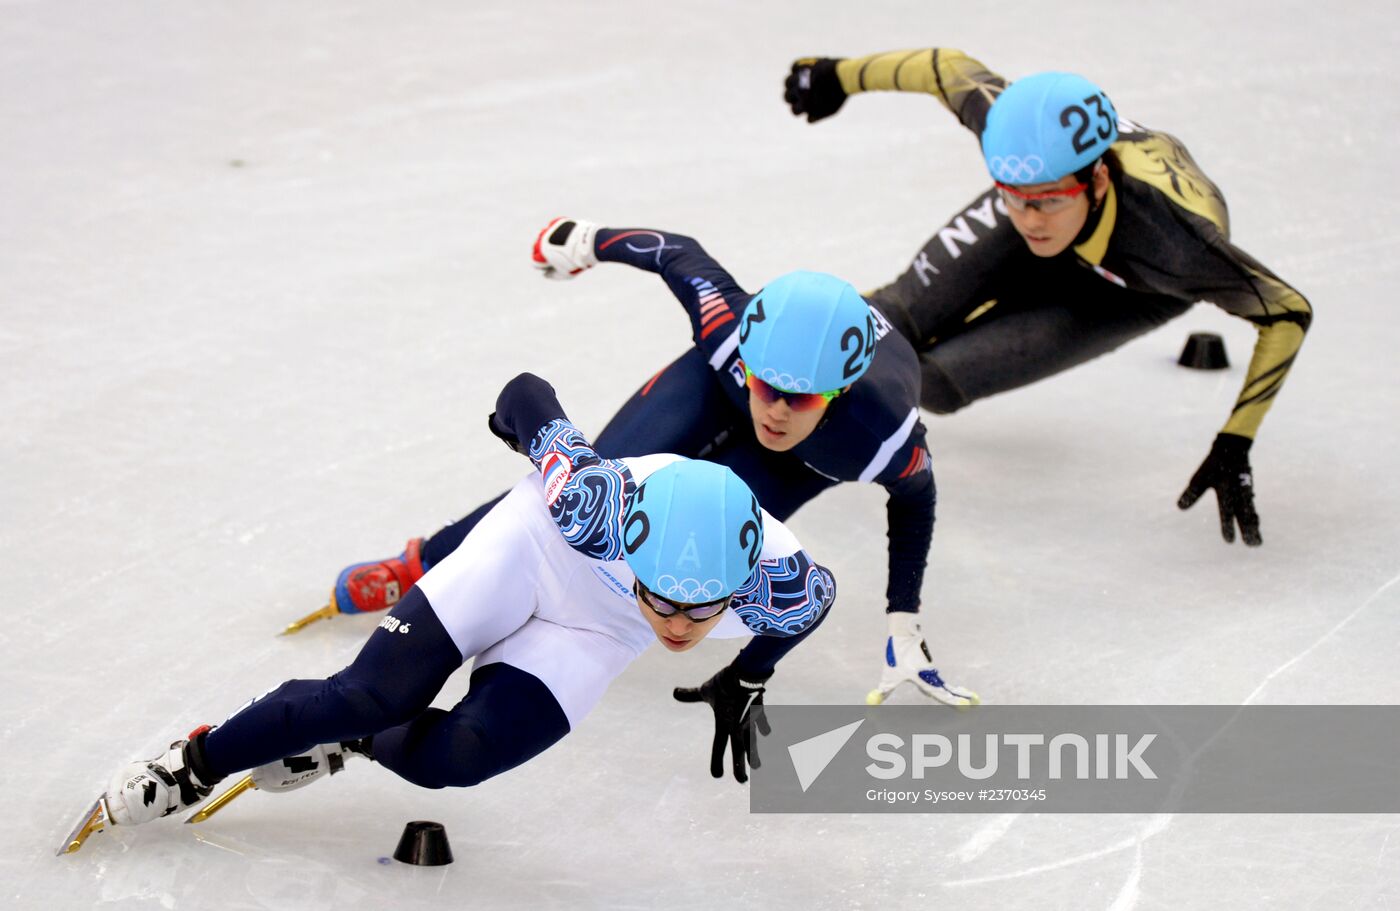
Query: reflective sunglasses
[[1049, 202], [695, 613], [797, 401]]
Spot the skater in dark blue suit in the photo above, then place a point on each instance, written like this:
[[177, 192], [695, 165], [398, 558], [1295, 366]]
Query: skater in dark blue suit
[[796, 388]]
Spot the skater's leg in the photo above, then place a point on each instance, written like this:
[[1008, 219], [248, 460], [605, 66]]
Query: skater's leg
[[527, 692], [447, 539], [1072, 318], [682, 409], [954, 273], [478, 596], [394, 677], [508, 717]]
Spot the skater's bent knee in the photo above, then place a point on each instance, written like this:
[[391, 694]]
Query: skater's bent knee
[[437, 750], [369, 705], [938, 392]]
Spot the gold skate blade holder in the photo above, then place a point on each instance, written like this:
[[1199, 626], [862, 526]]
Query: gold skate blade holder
[[93, 821], [218, 803], [325, 613]]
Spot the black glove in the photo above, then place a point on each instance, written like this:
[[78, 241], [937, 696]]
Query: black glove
[[525, 404], [812, 88], [501, 433], [738, 707], [1227, 470]]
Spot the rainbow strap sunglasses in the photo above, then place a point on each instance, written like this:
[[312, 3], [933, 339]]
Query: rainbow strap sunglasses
[[797, 401]]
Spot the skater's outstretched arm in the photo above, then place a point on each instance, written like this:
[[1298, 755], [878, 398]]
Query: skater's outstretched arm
[[586, 494], [711, 297], [788, 593], [817, 86], [1241, 285], [910, 514], [784, 602]]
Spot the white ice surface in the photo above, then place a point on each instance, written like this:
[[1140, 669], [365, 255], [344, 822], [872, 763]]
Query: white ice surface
[[262, 272]]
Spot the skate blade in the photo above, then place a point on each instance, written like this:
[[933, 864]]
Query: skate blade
[[957, 698], [218, 803], [882, 692], [325, 613], [94, 820], [972, 700], [961, 700]]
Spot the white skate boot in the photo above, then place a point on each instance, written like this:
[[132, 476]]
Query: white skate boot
[[565, 248], [288, 774], [300, 770], [145, 791], [907, 660]]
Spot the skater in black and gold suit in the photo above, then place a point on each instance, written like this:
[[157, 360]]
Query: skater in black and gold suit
[[1097, 230]]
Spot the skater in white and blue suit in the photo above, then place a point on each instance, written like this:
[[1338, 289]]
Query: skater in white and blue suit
[[577, 570]]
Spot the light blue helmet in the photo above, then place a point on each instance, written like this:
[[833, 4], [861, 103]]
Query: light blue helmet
[[807, 332], [693, 532], [1046, 126]]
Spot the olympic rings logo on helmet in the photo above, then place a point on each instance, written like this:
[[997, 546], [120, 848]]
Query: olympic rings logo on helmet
[[688, 591], [785, 381], [1017, 169]]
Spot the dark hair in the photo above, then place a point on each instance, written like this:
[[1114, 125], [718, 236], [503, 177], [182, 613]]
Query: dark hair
[[1085, 175]]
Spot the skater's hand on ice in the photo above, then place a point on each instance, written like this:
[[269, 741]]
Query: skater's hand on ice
[[812, 88], [564, 248], [907, 659], [1227, 471], [738, 708]]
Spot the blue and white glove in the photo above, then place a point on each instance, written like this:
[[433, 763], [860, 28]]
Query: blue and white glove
[[907, 660]]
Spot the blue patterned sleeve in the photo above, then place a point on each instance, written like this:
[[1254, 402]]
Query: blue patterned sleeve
[[586, 494], [785, 595]]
